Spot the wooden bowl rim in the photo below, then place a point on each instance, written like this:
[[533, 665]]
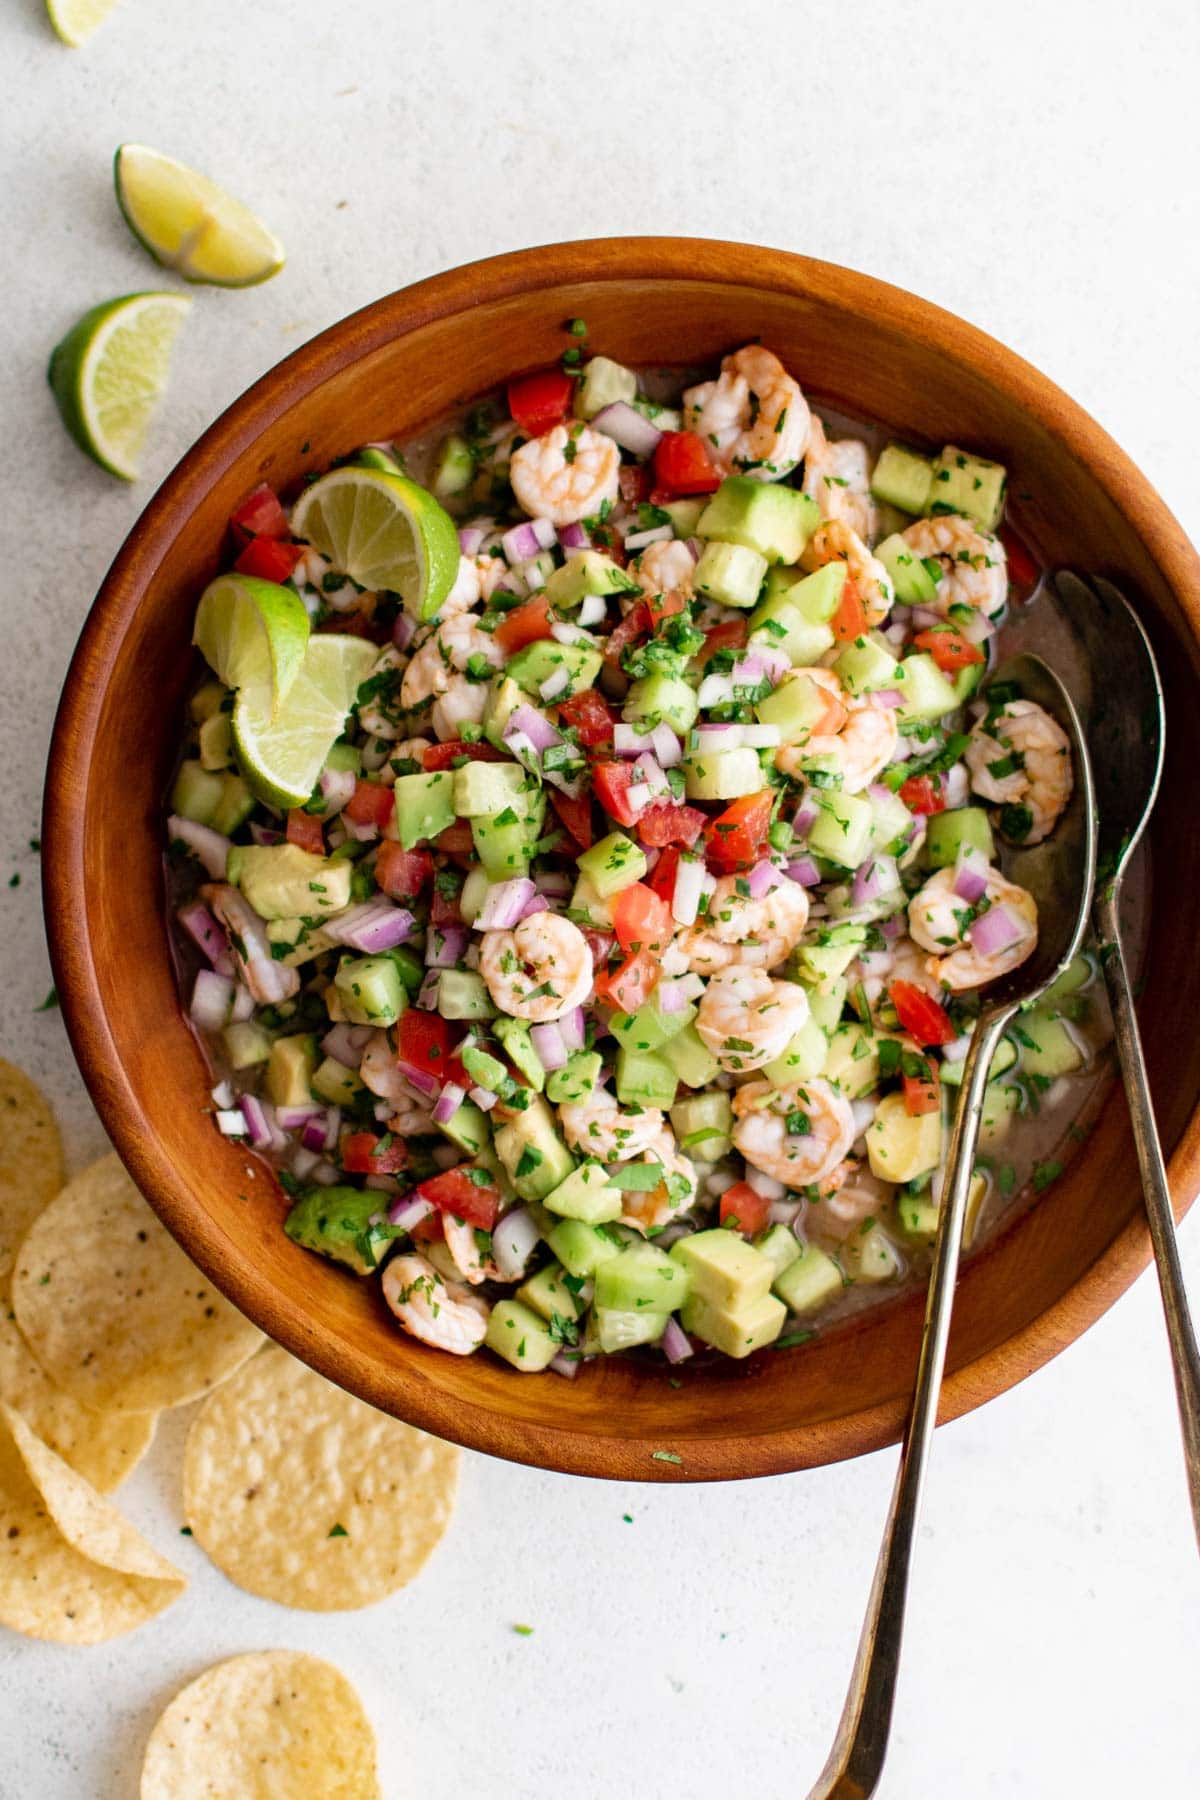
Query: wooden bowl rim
[[678, 260]]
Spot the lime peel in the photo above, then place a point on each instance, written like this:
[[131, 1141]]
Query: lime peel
[[110, 371], [190, 224], [384, 532], [75, 20], [253, 634]]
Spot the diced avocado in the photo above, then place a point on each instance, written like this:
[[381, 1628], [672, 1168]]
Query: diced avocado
[[371, 990], [585, 1194], [841, 831], [730, 574], [1047, 1047], [246, 1044], [295, 942], [602, 384], [281, 881], [967, 484], [815, 597], [965, 828], [683, 514], [547, 659], [901, 1145], [520, 1337], [290, 1069], [235, 805], [785, 629], [726, 1271], [722, 774], [903, 478], [797, 706], [1077, 974], [504, 843], [504, 698], [453, 467], [581, 1248], [518, 1047], [702, 1125], [739, 1331], [690, 1057], [1002, 1061], [546, 1294], [344, 756], [196, 793], [927, 693], [822, 962], [587, 572], [810, 1282], [780, 1246], [487, 788], [576, 1080], [462, 994], [804, 1059], [589, 906], [642, 1277], [1002, 1101], [486, 1071], [334, 1082], [614, 863], [424, 805], [216, 742], [776, 521], [825, 1003], [964, 681], [337, 1222], [208, 698], [617, 1331], [918, 1218], [535, 1156], [668, 698], [867, 664], [649, 1028], [645, 1079], [410, 968], [468, 1127], [914, 582], [870, 1255], [474, 893]]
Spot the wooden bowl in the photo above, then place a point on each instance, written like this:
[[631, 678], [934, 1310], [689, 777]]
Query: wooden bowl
[[388, 371]]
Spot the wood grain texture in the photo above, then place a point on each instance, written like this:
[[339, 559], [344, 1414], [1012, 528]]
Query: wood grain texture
[[386, 372]]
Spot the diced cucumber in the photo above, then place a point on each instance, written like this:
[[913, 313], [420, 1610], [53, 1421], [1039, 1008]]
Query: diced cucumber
[[371, 990], [736, 1332], [590, 906], [666, 418], [803, 643], [487, 788], [462, 994], [780, 1246], [1048, 1048], [901, 1145], [246, 1044], [725, 1270], [853, 1061], [576, 1080], [816, 597], [424, 805], [666, 697], [841, 831], [684, 516], [690, 1057], [641, 1276], [474, 893], [518, 1047], [915, 584], [534, 1155], [645, 1079], [522, 1338], [196, 793], [503, 700], [797, 706], [803, 1060], [617, 1331], [927, 693], [546, 661], [967, 484], [810, 1282], [216, 742], [918, 1217], [1002, 1061], [546, 1294], [581, 1248], [723, 774], [334, 1082], [965, 828], [486, 1071], [612, 864], [826, 1002], [891, 821], [702, 1124], [824, 961], [966, 680], [903, 478], [290, 1068], [730, 574], [585, 1194], [504, 843], [344, 757], [870, 1255], [776, 521], [235, 805], [586, 573], [867, 664], [1076, 975], [649, 1028], [602, 384], [1002, 1101], [453, 467]]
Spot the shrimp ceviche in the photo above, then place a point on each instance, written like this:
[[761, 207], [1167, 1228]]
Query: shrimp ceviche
[[586, 854]]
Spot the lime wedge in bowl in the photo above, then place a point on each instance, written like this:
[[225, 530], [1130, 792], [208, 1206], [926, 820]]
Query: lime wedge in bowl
[[253, 634], [384, 532], [191, 225], [110, 371], [282, 758], [75, 20]]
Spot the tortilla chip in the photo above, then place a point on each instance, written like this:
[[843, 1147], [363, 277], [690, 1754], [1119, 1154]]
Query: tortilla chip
[[274, 1725], [102, 1447], [71, 1568], [112, 1308], [304, 1495], [31, 1158]]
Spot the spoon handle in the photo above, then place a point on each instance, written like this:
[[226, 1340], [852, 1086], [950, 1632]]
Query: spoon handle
[[1180, 1331], [856, 1759]]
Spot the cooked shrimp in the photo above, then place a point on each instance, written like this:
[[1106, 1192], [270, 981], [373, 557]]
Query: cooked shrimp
[[859, 737], [379, 1073], [599, 1127], [902, 961], [381, 715], [837, 541], [649, 1210], [445, 652], [665, 568], [842, 1210], [737, 929], [746, 1019], [437, 1312], [754, 417], [567, 473], [837, 475], [539, 970], [1021, 758], [463, 703], [269, 981], [463, 1246], [974, 566], [797, 1134], [941, 923]]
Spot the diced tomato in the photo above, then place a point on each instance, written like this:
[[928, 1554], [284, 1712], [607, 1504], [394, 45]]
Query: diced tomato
[[444, 756], [920, 1014], [635, 482], [371, 803], [735, 837], [524, 625], [1024, 572], [924, 794], [731, 635], [611, 783], [305, 831], [269, 558], [950, 650], [850, 619], [629, 985], [684, 465], [365, 1153], [540, 401], [423, 1042], [922, 1093], [587, 714], [260, 515], [640, 919], [466, 1192], [610, 543], [661, 879], [745, 1209], [445, 906], [600, 943], [664, 606], [575, 813], [634, 626], [402, 873], [670, 822], [456, 840]]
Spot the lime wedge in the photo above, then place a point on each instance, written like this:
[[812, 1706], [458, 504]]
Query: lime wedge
[[191, 225], [282, 758], [109, 372], [253, 635], [75, 20], [384, 532]]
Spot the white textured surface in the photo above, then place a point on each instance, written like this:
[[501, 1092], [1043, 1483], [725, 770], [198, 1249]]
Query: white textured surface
[[1032, 167]]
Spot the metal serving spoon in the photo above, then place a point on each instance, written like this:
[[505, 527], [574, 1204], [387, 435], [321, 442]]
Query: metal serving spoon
[[1126, 728], [1059, 873]]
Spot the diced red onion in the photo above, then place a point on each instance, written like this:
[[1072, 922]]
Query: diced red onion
[[978, 628], [470, 539], [995, 930], [763, 878], [592, 610], [212, 1000], [522, 747], [295, 1118], [448, 1103], [873, 878], [956, 786], [892, 928], [536, 727], [208, 845], [533, 574], [629, 740], [674, 1343], [420, 1080], [923, 617], [718, 736], [689, 886], [715, 690], [314, 1134], [666, 746], [785, 1212], [503, 902], [527, 540], [361, 830], [657, 534], [243, 1004], [554, 883], [347, 1044], [204, 931], [565, 1363], [265, 835], [571, 1028], [232, 1122], [563, 633], [574, 537], [409, 1210], [761, 737], [403, 630], [804, 870], [895, 633], [375, 925], [649, 771], [638, 796], [970, 875], [483, 1098], [444, 946], [302, 1162], [337, 789], [805, 817], [548, 1042], [556, 683], [627, 427], [325, 1175], [429, 992], [887, 699], [536, 903], [695, 548], [514, 1240], [673, 996]]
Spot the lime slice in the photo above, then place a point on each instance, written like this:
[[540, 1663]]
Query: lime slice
[[75, 20], [110, 371], [191, 225], [282, 758], [253, 635], [384, 532]]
